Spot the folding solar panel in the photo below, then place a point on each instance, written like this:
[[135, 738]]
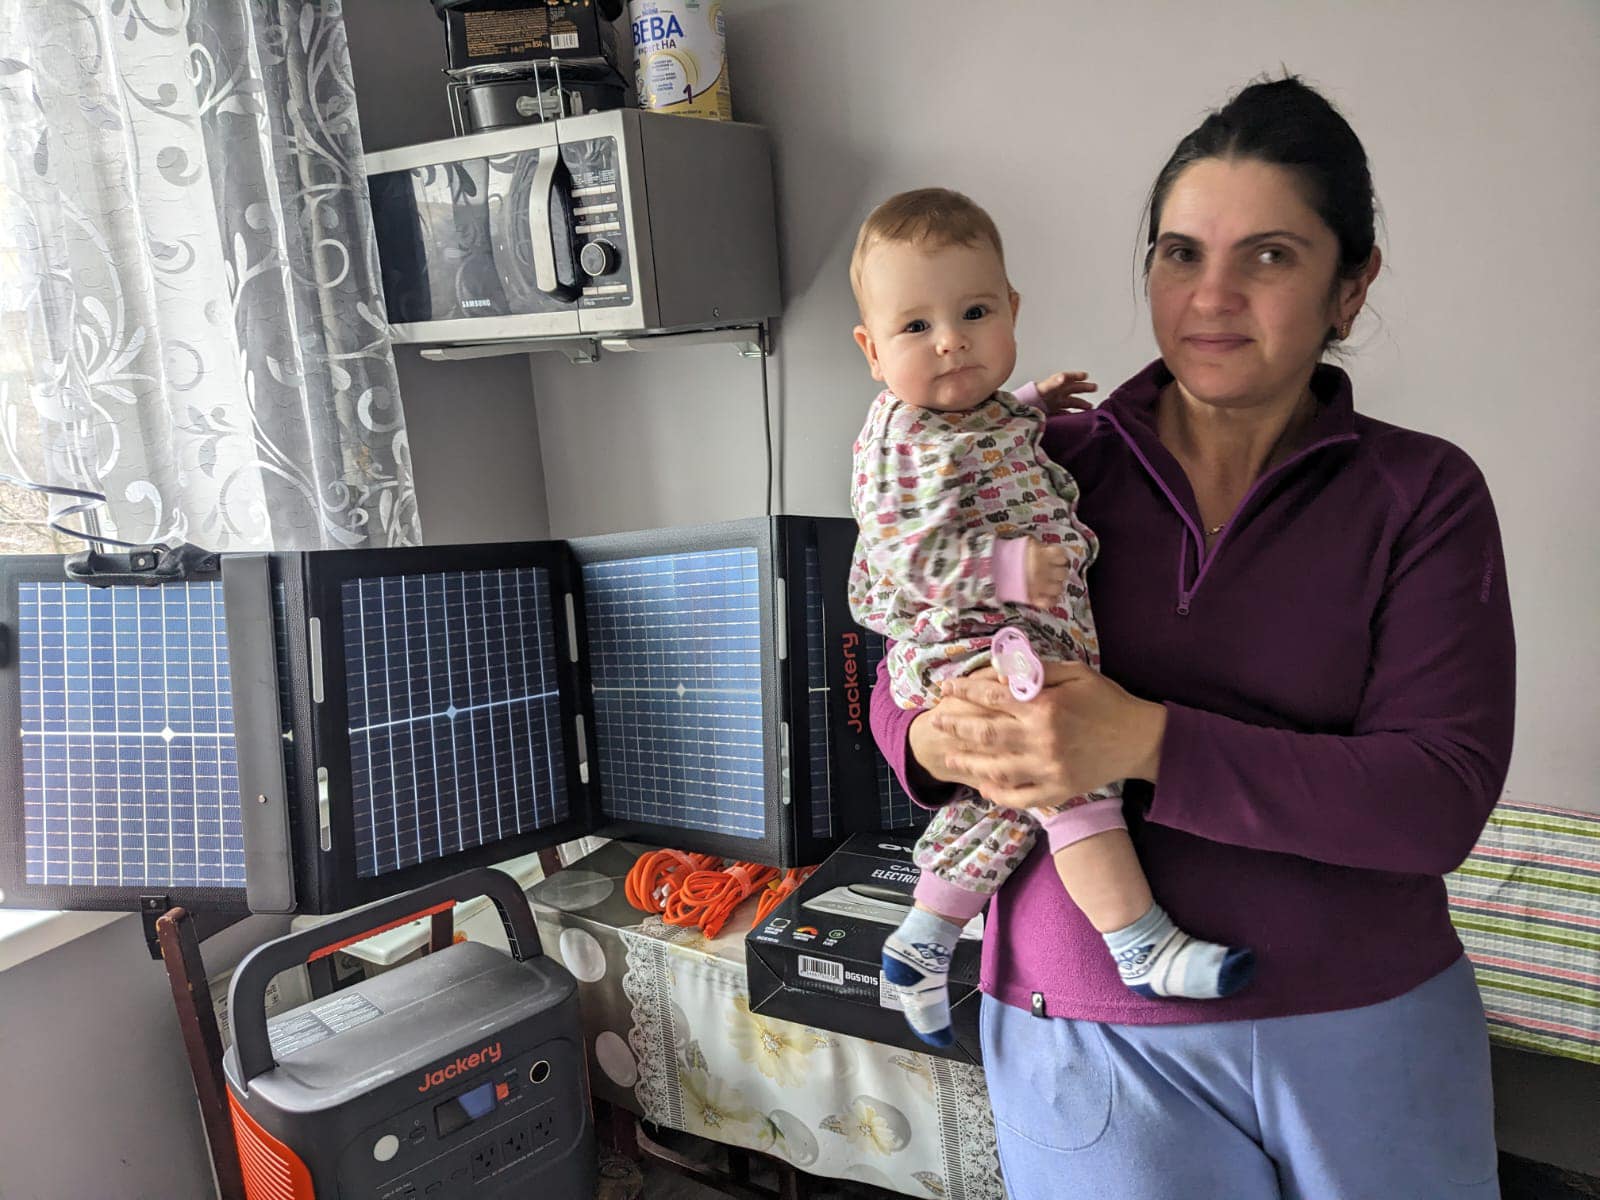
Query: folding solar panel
[[675, 669], [452, 692], [412, 713], [408, 713], [818, 738], [707, 650], [118, 763], [321, 729], [896, 810], [841, 671], [868, 798]]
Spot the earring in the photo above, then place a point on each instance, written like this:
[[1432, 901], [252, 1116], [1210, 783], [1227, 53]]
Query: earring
[[1344, 330]]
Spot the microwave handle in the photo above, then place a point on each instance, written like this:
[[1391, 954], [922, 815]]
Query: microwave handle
[[549, 218]]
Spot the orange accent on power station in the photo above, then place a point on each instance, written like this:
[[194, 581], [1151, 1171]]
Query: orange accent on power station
[[376, 929], [271, 1170]]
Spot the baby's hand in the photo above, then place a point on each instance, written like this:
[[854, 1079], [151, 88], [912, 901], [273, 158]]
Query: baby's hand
[[1063, 392], [1047, 574]]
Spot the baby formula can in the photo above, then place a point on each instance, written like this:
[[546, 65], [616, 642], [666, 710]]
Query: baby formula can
[[679, 59]]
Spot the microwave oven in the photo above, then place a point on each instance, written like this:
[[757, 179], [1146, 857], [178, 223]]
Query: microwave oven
[[607, 224]]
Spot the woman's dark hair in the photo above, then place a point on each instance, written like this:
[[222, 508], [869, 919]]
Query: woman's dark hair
[[1288, 124]]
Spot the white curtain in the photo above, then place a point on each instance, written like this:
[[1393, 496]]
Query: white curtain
[[191, 319]]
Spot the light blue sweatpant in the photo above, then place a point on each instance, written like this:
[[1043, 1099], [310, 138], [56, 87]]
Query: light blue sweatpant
[[1387, 1102]]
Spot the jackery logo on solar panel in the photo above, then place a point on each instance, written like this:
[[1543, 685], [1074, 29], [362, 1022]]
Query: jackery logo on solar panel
[[852, 681], [490, 1054]]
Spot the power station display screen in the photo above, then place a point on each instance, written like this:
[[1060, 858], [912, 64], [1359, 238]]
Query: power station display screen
[[463, 1110], [675, 661], [455, 717], [130, 777]]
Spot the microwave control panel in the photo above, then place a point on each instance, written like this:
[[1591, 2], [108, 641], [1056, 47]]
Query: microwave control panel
[[599, 223]]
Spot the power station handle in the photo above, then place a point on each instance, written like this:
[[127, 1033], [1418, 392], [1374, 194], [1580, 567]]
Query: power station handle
[[247, 994]]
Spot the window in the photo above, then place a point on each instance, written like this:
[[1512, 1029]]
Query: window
[[24, 514], [25, 524]]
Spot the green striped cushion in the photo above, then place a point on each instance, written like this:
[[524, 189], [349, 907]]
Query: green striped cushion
[[1527, 906]]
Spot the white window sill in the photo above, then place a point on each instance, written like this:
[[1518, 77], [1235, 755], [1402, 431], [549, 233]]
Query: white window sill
[[28, 933]]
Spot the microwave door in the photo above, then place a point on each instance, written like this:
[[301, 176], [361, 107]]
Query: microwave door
[[433, 240], [397, 215], [470, 286]]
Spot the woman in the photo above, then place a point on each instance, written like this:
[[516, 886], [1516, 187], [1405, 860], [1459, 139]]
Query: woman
[[1308, 683]]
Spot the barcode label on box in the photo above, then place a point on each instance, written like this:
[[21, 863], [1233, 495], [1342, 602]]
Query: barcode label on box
[[563, 41], [889, 995], [822, 969]]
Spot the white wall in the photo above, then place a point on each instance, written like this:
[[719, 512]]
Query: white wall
[[99, 1101], [1479, 118]]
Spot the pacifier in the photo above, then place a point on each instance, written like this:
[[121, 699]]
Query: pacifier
[[1014, 658]]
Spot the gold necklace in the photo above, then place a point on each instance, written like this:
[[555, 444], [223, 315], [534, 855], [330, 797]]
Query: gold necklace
[[1298, 419]]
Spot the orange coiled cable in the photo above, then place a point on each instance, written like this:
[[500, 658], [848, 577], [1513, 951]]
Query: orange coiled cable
[[778, 890], [707, 898], [656, 876]]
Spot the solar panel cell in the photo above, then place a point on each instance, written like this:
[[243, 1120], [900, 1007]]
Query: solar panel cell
[[676, 670], [128, 766], [453, 713]]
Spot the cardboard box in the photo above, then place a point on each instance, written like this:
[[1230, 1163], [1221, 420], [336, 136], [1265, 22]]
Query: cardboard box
[[513, 31], [817, 959]]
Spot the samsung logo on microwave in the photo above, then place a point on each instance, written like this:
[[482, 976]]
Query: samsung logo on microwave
[[477, 303]]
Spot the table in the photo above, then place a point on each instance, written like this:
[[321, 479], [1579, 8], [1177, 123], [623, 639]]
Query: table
[[670, 1036]]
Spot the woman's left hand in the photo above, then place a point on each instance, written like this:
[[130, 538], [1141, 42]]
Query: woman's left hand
[[1080, 733]]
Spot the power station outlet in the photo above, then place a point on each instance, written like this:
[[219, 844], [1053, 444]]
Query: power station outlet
[[485, 1160], [543, 1130], [518, 1144]]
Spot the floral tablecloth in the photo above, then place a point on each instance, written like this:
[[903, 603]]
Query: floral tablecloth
[[671, 1036]]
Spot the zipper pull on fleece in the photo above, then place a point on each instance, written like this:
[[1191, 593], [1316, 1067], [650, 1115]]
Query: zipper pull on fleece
[[1184, 590]]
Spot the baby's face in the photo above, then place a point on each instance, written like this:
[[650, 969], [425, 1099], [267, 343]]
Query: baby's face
[[938, 323]]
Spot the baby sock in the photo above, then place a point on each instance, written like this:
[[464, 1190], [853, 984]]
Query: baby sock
[[916, 960], [1156, 958]]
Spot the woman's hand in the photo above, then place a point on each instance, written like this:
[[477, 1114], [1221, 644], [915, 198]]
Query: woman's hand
[[1064, 392], [1080, 733], [931, 746]]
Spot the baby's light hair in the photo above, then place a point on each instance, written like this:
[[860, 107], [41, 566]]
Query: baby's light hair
[[931, 216]]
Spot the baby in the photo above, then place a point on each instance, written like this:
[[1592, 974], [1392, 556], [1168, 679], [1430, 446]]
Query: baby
[[967, 527]]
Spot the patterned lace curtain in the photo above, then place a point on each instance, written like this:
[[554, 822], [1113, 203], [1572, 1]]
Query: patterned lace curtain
[[190, 315]]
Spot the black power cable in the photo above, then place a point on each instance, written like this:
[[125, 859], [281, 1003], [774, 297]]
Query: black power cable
[[89, 500]]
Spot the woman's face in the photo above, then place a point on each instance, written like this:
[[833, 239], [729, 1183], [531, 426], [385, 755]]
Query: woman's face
[[1242, 285]]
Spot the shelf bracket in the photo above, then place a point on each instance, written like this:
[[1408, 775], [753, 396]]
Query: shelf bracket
[[750, 341]]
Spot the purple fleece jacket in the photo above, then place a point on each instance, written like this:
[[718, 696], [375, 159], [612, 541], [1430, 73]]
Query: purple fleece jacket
[[1339, 678]]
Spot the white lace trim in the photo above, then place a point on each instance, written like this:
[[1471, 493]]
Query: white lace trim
[[646, 984], [972, 1162]]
